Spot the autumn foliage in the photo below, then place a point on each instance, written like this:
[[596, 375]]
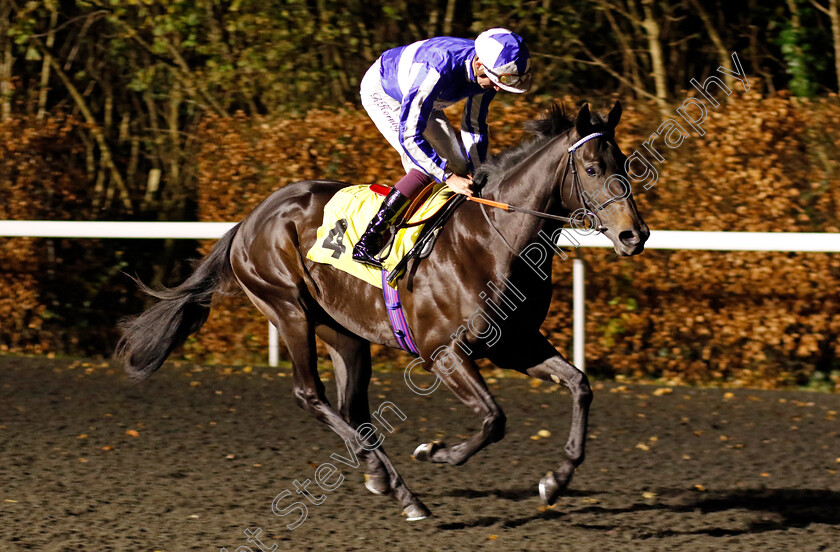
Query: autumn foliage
[[764, 164], [34, 177]]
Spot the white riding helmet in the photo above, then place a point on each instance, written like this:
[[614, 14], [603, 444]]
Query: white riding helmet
[[505, 58]]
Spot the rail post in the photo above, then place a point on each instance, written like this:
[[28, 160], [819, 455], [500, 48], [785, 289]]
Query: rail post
[[273, 346], [578, 288]]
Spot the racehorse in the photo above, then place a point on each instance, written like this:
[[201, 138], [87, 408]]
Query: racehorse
[[555, 173]]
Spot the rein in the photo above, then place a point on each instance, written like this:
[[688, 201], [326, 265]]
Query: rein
[[577, 189], [515, 209]]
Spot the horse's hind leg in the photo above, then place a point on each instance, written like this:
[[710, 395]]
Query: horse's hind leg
[[298, 332], [352, 363]]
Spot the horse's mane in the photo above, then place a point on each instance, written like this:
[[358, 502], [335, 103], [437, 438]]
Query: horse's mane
[[555, 122]]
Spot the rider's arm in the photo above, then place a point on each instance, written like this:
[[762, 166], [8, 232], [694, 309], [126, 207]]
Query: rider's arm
[[474, 131], [417, 105]]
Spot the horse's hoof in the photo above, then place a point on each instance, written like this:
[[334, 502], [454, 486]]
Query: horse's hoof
[[378, 485], [416, 512], [424, 452], [549, 489]]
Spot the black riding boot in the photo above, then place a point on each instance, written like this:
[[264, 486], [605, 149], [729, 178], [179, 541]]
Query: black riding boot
[[375, 237]]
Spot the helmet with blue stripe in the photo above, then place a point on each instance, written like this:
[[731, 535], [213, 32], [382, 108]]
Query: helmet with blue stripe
[[505, 59]]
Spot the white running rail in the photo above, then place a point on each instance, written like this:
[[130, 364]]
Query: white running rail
[[803, 242]]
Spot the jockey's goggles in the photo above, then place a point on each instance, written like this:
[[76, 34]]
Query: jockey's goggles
[[515, 80]]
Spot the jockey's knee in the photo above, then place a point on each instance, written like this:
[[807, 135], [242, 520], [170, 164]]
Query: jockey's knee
[[413, 183]]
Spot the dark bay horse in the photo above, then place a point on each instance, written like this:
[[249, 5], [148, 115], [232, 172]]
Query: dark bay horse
[[476, 252]]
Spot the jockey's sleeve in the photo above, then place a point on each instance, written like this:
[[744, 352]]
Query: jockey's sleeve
[[417, 106], [474, 131]]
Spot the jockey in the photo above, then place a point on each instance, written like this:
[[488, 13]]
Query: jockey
[[405, 91]]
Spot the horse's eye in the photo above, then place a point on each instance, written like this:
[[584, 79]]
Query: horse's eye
[[590, 171]]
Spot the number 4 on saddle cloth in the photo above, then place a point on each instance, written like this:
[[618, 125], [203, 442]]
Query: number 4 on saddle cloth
[[350, 210]]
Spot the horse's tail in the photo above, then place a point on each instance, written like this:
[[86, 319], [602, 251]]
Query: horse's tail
[[149, 338]]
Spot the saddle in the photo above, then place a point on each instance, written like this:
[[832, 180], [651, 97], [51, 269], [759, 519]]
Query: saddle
[[346, 216], [428, 236]]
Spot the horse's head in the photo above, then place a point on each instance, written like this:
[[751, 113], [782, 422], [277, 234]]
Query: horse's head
[[595, 187]]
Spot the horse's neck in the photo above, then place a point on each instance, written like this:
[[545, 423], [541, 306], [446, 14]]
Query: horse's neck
[[531, 184]]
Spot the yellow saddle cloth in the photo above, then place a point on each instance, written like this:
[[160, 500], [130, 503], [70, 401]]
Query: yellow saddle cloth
[[346, 217]]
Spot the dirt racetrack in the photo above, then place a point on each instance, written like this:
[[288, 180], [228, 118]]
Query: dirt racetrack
[[192, 457]]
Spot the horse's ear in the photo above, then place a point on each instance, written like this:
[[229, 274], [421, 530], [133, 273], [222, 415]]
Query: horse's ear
[[583, 124], [615, 115]]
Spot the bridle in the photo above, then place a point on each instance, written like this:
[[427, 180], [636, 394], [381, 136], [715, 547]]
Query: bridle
[[577, 187], [577, 190]]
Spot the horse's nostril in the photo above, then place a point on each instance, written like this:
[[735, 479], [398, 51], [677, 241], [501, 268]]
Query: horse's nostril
[[629, 237]]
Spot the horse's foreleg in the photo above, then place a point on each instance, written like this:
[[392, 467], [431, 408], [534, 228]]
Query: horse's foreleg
[[557, 369], [466, 383]]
